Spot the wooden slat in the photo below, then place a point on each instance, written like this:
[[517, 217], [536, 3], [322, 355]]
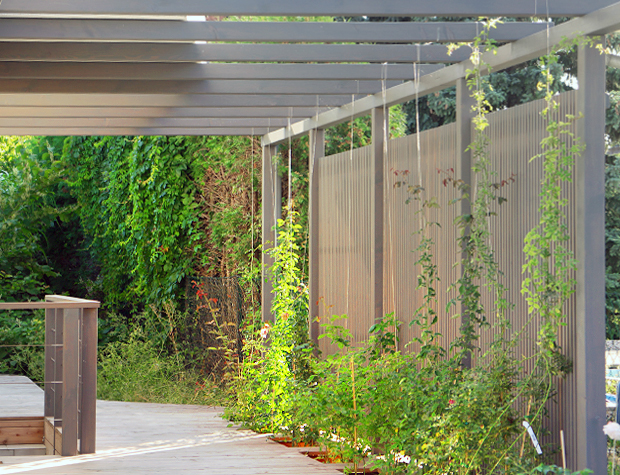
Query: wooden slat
[[192, 71], [240, 86], [158, 112], [19, 431], [117, 131], [179, 53], [46, 305], [70, 382], [173, 100], [291, 32], [88, 413], [424, 8]]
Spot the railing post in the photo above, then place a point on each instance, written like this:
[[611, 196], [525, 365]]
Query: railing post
[[70, 381], [89, 381], [50, 359], [58, 367]]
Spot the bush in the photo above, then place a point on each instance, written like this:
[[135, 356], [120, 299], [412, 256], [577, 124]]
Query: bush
[[138, 371]]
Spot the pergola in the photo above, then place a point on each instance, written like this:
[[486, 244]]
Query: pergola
[[149, 67]]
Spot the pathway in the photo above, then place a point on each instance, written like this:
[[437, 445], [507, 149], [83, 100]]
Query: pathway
[[141, 438]]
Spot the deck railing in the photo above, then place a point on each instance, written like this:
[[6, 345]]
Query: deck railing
[[70, 372]]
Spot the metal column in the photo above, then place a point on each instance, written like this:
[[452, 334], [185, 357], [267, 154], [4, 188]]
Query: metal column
[[590, 338], [464, 115], [272, 211], [380, 126], [316, 151]]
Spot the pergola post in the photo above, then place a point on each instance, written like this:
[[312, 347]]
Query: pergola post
[[590, 325], [380, 130], [316, 151], [271, 211], [464, 115]]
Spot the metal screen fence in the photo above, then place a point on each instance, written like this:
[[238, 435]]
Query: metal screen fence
[[345, 254]]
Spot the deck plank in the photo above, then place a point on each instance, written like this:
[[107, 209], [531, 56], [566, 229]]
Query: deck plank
[[143, 438]]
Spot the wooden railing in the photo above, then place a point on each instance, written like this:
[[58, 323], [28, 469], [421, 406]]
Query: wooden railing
[[70, 372]]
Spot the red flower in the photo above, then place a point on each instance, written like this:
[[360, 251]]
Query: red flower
[[451, 401]]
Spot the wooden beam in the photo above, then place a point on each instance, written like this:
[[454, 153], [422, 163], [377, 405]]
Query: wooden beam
[[233, 86], [171, 100], [599, 22], [589, 354], [28, 29], [271, 212], [158, 112], [96, 131], [316, 151], [154, 122], [380, 133], [194, 71], [255, 53], [421, 8]]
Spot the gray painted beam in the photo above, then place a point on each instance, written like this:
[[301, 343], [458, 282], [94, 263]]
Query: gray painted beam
[[155, 122], [380, 133], [316, 149], [613, 61], [464, 116], [599, 22], [194, 71], [158, 112], [271, 212], [170, 100], [590, 227], [233, 86], [423, 8], [62, 131], [178, 53], [290, 32]]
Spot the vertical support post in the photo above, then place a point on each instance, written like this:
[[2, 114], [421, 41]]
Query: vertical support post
[[58, 367], [590, 339], [379, 124], [88, 414], [272, 211], [316, 151], [50, 358], [70, 382], [464, 115]]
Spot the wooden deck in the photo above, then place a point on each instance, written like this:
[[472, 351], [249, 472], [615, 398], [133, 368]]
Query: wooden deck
[[141, 438]]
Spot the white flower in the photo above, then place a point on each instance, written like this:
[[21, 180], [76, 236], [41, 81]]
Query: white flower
[[612, 430]]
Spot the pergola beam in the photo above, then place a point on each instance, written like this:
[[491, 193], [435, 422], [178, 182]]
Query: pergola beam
[[143, 122], [180, 52], [234, 86], [211, 71], [599, 22], [27, 29], [421, 8], [33, 112], [172, 100], [90, 131]]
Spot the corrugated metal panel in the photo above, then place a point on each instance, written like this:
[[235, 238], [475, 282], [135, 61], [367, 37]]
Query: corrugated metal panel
[[515, 135], [344, 243], [403, 222], [345, 182]]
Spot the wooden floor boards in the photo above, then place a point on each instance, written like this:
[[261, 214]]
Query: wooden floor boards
[[157, 439]]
